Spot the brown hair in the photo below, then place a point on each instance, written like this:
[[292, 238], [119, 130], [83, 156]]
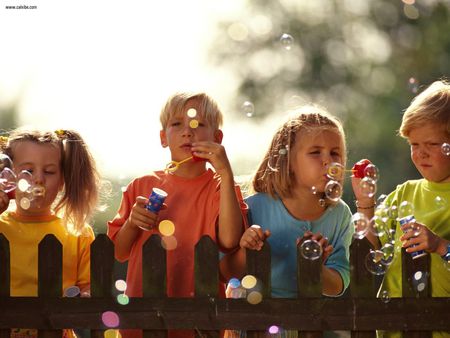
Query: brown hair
[[81, 179], [176, 104], [430, 106], [273, 175]]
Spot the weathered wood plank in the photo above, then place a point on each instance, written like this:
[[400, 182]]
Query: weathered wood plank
[[5, 275], [49, 276], [258, 265], [309, 284], [102, 273], [362, 282], [180, 313], [415, 283], [154, 277], [207, 279]]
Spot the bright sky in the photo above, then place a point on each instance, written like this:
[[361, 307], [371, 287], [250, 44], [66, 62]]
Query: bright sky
[[105, 68]]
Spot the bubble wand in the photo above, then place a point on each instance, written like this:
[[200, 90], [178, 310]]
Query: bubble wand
[[173, 166]]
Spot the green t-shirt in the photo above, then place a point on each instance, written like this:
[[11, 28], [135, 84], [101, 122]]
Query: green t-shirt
[[431, 206]]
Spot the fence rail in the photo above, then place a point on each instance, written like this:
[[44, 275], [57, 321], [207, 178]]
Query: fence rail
[[361, 313]]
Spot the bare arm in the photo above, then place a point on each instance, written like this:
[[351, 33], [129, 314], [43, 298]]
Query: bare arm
[[139, 217], [230, 221], [332, 284]]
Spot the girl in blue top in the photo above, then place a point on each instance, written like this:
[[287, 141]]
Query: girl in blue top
[[290, 205]]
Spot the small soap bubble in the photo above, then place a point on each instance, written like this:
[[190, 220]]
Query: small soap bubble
[[287, 41], [311, 249], [415, 228], [377, 226], [7, 180], [254, 297], [385, 296], [283, 151], [440, 202], [25, 203], [322, 202], [333, 190], [420, 280], [393, 212], [361, 225], [372, 172], [373, 263], [72, 291], [123, 299], [249, 281], [405, 209], [445, 149], [110, 319], [120, 285], [335, 171], [388, 253], [314, 190], [381, 198], [413, 85], [24, 180], [110, 333], [248, 108], [273, 329], [368, 187], [234, 283], [166, 227], [169, 243], [193, 124], [192, 112], [5, 162]]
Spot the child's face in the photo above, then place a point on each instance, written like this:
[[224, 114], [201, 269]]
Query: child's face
[[311, 156], [426, 152], [43, 161], [182, 131]]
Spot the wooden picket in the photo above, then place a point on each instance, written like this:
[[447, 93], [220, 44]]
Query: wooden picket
[[417, 314]]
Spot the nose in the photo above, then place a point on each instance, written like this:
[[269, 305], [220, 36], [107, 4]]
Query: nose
[[38, 177], [187, 130]]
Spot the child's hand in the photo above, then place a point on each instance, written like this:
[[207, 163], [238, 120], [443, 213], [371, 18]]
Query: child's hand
[[4, 201], [418, 237], [327, 249], [140, 216], [254, 237], [215, 154]]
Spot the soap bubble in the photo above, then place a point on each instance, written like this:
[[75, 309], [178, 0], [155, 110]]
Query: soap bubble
[[287, 41], [361, 224], [368, 187], [248, 108], [311, 249], [333, 190]]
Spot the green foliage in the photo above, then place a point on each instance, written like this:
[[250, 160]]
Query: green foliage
[[362, 60]]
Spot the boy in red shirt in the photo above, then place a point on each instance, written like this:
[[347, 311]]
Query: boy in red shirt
[[200, 201]]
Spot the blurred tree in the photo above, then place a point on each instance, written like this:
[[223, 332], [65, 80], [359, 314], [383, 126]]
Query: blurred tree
[[362, 60], [8, 117]]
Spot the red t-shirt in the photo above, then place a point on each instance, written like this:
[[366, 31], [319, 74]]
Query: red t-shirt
[[193, 207]]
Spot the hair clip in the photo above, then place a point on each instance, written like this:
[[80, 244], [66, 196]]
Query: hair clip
[[61, 133]]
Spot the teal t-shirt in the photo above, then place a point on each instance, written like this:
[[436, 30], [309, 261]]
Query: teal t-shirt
[[271, 214]]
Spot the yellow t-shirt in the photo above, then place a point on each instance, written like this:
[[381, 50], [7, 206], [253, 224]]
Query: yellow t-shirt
[[24, 236]]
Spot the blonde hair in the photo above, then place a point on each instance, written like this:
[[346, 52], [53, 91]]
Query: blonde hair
[[81, 179], [430, 106], [176, 104], [273, 175]]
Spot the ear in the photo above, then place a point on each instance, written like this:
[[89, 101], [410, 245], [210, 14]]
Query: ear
[[218, 136], [163, 137]]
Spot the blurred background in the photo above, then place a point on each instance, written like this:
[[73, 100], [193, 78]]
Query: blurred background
[[105, 68]]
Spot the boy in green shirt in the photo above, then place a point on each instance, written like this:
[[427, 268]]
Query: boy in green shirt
[[426, 126]]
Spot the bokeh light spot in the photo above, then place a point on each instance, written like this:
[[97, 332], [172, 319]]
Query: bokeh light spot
[[166, 227]]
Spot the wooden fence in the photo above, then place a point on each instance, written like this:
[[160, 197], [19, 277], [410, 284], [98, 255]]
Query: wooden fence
[[416, 314]]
